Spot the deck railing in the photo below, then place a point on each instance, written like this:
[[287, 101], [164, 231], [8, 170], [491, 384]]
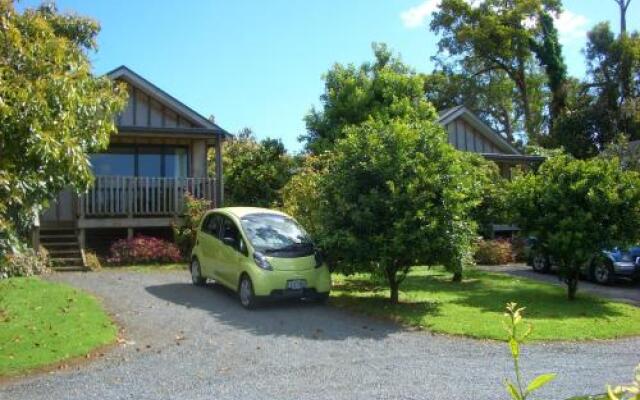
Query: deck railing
[[142, 196]]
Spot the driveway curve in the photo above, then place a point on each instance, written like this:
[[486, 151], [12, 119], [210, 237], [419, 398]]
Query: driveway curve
[[186, 342]]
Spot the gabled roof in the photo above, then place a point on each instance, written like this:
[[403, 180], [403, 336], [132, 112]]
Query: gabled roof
[[125, 73], [453, 113]]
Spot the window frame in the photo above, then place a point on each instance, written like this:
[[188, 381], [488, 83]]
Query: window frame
[[164, 151]]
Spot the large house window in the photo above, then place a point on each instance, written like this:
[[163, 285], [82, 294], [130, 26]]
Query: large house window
[[147, 161]]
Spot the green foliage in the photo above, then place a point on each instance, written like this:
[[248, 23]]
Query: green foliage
[[607, 103], [575, 208], [493, 35], [185, 234], [517, 333], [489, 95], [301, 195], [395, 194], [255, 171], [494, 252], [25, 262], [384, 89], [624, 152], [45, 322], [53, 111]]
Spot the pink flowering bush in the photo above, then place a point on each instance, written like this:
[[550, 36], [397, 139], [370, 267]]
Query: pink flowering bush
[[143, 249]]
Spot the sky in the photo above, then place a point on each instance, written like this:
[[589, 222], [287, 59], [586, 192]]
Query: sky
[[259, 64]]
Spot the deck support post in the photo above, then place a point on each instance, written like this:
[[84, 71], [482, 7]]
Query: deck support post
[[219, 190], [129, 233]]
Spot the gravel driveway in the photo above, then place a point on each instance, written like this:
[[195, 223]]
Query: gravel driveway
[[186, 342]]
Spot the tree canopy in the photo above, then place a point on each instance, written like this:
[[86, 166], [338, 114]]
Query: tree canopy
[[576, 208], [255, 171], [53, 110], [383, 89]]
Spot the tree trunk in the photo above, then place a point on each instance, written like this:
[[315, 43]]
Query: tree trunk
[[571, 279], [521, 83], [394, 286], [457, 276], [623, 14], [572, 288]]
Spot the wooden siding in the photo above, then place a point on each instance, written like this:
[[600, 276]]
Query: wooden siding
[[464, 137], [144, 111]]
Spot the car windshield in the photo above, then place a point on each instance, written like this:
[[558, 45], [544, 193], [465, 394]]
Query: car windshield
[[275, 233]]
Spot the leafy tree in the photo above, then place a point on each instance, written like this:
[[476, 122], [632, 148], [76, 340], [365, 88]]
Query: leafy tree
[[548, 51], [488, 95], [607, 103], [255, 171], [383, 89], [628, 154], [497, 35], [53, 110], [301, 196], [575, 208], [395, 194]]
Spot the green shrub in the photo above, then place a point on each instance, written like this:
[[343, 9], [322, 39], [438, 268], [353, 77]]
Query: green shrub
[[517, 333], [185, 235], [25, 263], [494, 252], [92, 261]]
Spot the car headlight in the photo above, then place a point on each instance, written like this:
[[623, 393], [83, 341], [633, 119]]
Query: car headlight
[[261, 261]]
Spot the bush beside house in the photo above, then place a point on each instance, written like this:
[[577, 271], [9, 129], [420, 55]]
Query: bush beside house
[[494, 252], [143, 249]]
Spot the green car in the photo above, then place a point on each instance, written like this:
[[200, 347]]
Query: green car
[[260, 254]]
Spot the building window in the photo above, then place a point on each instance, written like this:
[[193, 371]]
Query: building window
[[142, 160]]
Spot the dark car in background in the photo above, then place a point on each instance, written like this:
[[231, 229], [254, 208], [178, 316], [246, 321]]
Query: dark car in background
[[604, 267]]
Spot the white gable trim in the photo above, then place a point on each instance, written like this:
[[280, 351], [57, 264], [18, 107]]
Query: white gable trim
[[163, 97], [454, 113]]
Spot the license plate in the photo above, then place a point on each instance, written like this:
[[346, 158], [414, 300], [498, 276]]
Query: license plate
[[296, 284]]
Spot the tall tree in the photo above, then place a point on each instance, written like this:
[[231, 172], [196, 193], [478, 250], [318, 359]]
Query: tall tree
[[548, 51], [383, 89], [395, 194], [489, 95], [53, 110], [624, 5], [255, 171], [496, 36], [575, 209]]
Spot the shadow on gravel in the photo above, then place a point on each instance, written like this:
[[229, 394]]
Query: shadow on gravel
[[290, 318]]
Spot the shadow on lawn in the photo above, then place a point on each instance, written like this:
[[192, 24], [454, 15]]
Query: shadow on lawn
[[487, 292], [287, 318]]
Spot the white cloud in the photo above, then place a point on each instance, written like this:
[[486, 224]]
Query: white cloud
[[416, 16], [571, 26]]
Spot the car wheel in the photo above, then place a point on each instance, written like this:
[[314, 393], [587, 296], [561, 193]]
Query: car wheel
[[196, 273], [322, 298], [540, 263], [602, 273], [245, 292]]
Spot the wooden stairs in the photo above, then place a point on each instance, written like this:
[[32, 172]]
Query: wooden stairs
[[64, 249]]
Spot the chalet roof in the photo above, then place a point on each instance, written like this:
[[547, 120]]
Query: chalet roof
[[451, 114], [202, 124]]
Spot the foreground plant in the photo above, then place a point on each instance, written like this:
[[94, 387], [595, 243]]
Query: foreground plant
[[518, 332], [631, 392]]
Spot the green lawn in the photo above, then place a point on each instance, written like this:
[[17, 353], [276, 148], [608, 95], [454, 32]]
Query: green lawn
[[43, 322], [147, 267], [475, 307]]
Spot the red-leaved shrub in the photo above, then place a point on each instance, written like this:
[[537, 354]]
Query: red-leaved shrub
[[494, 252], [143, 249]]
